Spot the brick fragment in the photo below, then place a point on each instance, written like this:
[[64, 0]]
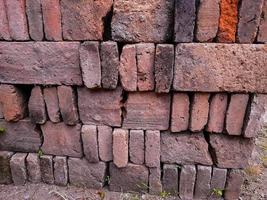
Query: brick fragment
[[120, 147], [170, 179], [234, 182], [52, 103], [236, 113], [90, 145], [60, 170], [137, 146], [33, 168], [5, 171], [68, 104], [4, 27], [164, 62], [46, 166], [187, 181], [152, 148], [155, 186], [18, 168], [262, 34], [202, 184], [218, 181], [105, 143], [90, 64]]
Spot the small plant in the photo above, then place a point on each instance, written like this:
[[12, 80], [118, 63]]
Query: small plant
[[135, 197], [101, 194], [253, 170], [142, 186], [2, 130], [164, 194], [107, 179], [217, 192], [40, 153]]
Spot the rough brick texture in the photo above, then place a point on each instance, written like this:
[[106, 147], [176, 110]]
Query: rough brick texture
[[120, 147], [155, 185], [33, 168], [4, 26], [105, 143], [187, 181], [46, 166], [60, 170], [170, 179], [152, 149], [90, 145], [233, 184], [202, 184], [218, 180], [18, 168], [262, 35], [52, 103], [5, 171], [137, 146]]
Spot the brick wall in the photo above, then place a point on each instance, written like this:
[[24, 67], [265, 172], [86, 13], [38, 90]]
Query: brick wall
[[143, 96]]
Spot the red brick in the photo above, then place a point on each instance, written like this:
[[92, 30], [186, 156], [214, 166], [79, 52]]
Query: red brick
[[145, 53], [120, 147], [105, 143], [52, 19], [89, 141], [90, 64], [52, 104], [4, 27], [202, 184], [180, 112], [35, 19], [170, 179], [199, 112], [101, 107], [236, 113], [60, 170], [218, 106], [128, 68], [164, 62], [61, 140], [262, 34], [187, 181], [46, 166], [234, 182], [13, 102], [5, 171], [36, 106], [33, 168], [18, 168], [155, 186], [137, 146], [1, 112], [68, 104], [218, 181], [77, 16], [147, 110], [152, 148]]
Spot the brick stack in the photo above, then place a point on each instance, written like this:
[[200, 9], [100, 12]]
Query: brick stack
[[141, 96]]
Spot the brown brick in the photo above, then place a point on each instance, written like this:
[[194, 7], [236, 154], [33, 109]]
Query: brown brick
[[68, 104], [218, 106], [36, 106], [236, 113], [77, 16], [62, 140], [105, 143], [128, 68], [152, 148], [137, 146], [231, 152], [145, 53], [109, 54], [13, 102], [18, 168], [132, 19], [52, 104], [90, 64], [187, 181], [184, 148], [234, 182], [33, 168], [199, 112], [60, 170], [5, 171], [89, 141], [164, 62], [46, 166], [180, 112], [262, 34], [101, 107], [35, 20], [4, 27], [47, 63], [52, 19], [16, 14], [170, 179], [202, 184], [215, 68], [218, 181], [155, 186], [148, 111], [120, 147], [1, 112]]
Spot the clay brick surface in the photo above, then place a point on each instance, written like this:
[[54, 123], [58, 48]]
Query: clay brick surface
[[152, 148], [155, 186], [46, 166], [60, 170], [218, 180], [262, 34], [4, 27], [33, 168], [214, 67], [202, 184], [137, 146], [18, 168], [187, 181], [234, 182], [170, 179], [52, 103], [89, 141], [120, 147], [5, 171], [105, 143]]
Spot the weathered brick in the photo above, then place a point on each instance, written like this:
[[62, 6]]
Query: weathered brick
[[100, 107], [147, 110], [120, 147], [236, 113], [132, 178], [22, 136], [60, 170], [132, 19], [90, 145], [207, 20], [13, 102], [47, 63], [90, 64], [152, 148], [52, 103], [1, 112], [46, 166], [170, 179], [228, 21], [4, 27], [155, 186], [164, 62], [105, 143], [231, 152], [202, 184], [83, 173], [33, 168], [5, 171], [218, 106], [234, 182], [137, 146], [180, 112], [128, 68], [36, 106], [187, 181], [262, 34], [184, 148], [145, 53], [218, 181], [52, 19], [18, 168], [35, 19], [16, 14], [199, 112], [215, 68], [61, 140], [185, 16], [68, 104], [249, 20], [77, 16]]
